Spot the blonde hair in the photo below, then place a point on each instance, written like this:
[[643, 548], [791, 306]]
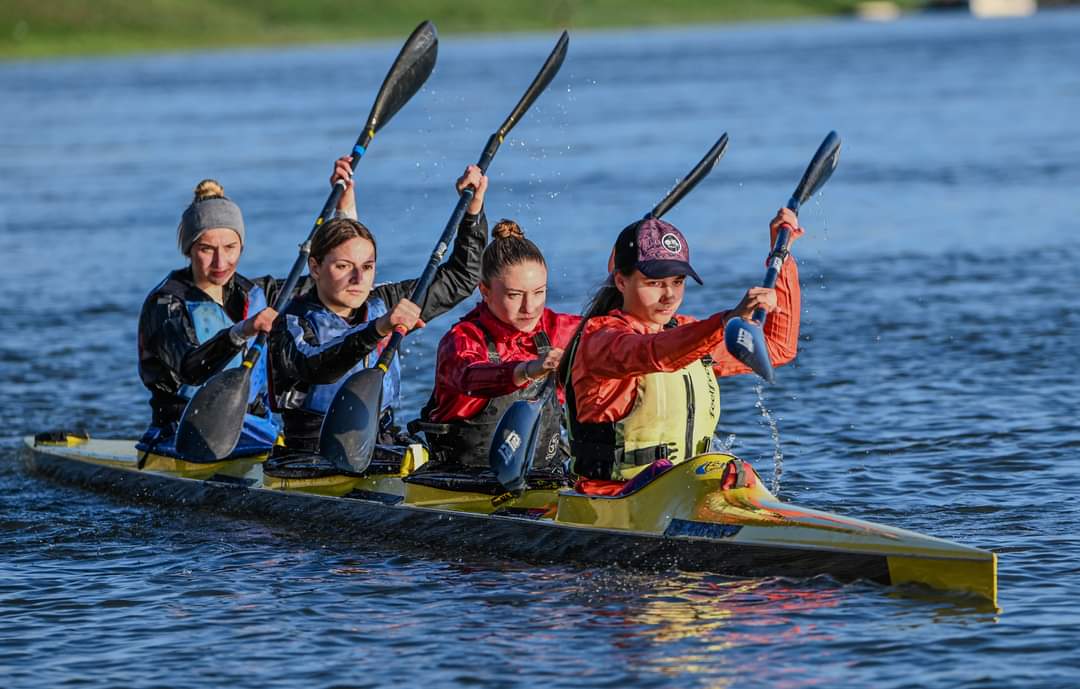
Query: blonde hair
[[209, 189]]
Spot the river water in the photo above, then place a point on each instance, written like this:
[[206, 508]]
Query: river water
[[936, 388]]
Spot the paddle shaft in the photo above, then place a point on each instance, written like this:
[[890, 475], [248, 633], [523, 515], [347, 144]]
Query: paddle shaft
[[419, 293], [686, 184], [817, 173], [285, 294]]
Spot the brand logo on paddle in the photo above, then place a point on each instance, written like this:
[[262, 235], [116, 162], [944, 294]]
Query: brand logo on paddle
[[745, 340], [509, 446], [671, 243]]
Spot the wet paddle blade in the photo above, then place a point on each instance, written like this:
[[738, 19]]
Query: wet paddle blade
[[351, 426], [818, 172], [212, 421], [513, 443], [746, 342], [408, 73]]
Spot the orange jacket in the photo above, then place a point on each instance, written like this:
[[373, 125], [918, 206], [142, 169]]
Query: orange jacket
[[617, 348]]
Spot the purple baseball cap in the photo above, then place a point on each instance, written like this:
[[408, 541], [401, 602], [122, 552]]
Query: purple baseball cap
[[654, 247]]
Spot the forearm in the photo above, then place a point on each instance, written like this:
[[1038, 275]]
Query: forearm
[[295, 357], [618, 354], [459, 275]]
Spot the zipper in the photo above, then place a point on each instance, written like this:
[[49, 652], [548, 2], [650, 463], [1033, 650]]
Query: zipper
[[689, 416]]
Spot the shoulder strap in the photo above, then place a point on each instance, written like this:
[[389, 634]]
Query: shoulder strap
[[493, 352]]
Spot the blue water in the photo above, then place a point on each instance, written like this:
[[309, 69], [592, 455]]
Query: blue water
[[936, 388]]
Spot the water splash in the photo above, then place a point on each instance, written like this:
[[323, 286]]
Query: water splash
[[724, 446], [774, 430]]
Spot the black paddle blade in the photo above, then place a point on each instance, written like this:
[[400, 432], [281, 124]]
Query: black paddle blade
[[351, 426], [408, 73], [746, 342], [543, 78], [212, 421], [818, 172], [686, 184], [512, 445]]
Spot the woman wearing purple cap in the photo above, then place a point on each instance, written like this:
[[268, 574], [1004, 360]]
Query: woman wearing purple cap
[[642, 376]]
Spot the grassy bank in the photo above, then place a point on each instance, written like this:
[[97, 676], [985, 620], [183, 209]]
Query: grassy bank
[[41, 28]]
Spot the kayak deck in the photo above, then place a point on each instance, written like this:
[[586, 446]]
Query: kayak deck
[[710, 513]]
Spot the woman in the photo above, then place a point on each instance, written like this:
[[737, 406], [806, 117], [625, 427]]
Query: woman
[[496, 354], [643, 377], [199, 319], [333, 330]]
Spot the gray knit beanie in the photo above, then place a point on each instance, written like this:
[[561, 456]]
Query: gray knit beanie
[[211, 209]]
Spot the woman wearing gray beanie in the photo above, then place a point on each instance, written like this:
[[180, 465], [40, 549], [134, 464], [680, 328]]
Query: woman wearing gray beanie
[[198, 321]]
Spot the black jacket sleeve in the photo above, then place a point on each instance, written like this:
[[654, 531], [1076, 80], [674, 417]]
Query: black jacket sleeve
[[298, 357], [454, 280], [169, 336]]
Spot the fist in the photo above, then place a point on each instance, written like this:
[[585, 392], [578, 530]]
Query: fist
[[785, 217], [260, 322], [403, 317]]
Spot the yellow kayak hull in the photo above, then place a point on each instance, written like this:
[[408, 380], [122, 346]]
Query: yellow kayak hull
[[710, 513]]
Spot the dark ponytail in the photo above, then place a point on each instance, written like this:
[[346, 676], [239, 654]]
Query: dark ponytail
[[508, 247], [604, 300]]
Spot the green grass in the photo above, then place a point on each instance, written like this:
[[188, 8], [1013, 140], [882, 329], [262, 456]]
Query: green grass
[[41, 28]]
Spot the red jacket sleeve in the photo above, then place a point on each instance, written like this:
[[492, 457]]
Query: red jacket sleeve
[[610, 348], [464, 366], [781, 328]]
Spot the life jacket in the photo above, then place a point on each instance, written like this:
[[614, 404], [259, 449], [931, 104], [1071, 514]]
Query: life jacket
[[327, 327], [673, 417], [467, 442], [209, 318]]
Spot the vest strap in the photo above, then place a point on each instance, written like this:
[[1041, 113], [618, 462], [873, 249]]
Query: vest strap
[[598, 460]]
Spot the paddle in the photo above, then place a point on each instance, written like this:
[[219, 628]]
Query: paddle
[[746, 339], [512, 444], [351, 426], [211, 424]]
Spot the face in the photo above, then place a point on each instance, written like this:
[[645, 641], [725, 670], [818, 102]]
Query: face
[[652, 300], [214, 256], [345, 276], [518, 295]]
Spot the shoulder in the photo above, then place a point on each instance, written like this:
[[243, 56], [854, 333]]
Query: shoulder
[[560, 326], [461, 335], [612, 320]]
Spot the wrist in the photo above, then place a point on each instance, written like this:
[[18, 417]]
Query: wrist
[[383, 326], [236, 334]]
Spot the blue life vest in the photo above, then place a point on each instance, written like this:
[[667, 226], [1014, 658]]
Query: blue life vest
[[258, 433], [329, 328]]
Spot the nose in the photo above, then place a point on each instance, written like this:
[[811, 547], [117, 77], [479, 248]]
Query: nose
[[531, 303], [218, 262], [354, 276]]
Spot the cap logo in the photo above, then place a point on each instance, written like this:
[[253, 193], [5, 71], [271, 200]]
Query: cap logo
[[671, 243]]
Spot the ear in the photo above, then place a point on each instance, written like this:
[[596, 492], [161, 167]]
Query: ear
[[620, 282], [313, 268], [485, 291]]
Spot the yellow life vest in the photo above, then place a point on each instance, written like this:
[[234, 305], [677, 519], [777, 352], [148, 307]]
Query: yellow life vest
[[679, 410], [673, 417]]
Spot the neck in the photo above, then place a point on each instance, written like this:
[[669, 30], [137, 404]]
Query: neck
[[215, 292]]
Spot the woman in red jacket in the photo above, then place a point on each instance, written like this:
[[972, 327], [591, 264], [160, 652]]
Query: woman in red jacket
[[643, 377], [496, 354]]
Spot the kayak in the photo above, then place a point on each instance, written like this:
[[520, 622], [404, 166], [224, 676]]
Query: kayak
[[710, 513]]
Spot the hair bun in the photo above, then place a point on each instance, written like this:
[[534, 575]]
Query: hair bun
[[209, 189], [507, 229]]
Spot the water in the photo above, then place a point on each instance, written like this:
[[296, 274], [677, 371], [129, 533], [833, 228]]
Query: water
[[936, 387]]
